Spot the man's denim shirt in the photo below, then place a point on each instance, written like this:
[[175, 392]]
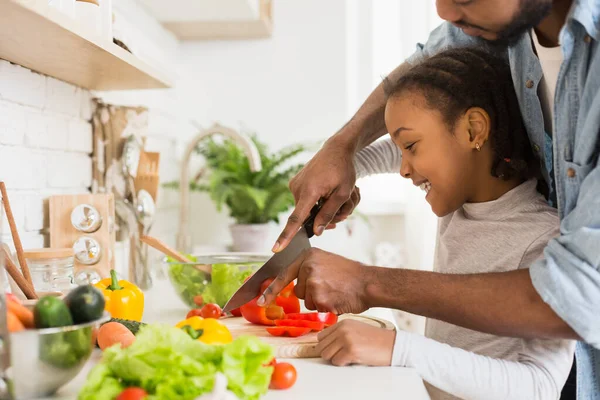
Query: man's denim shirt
[[568, 278]]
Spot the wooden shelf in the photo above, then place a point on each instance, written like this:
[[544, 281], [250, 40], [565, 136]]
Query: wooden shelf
[[41, 38]]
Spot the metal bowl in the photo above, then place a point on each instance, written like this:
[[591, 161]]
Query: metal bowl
[[43, 360], [189, 281]]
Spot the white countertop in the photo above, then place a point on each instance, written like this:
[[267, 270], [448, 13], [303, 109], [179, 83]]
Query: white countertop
[[317, 379]]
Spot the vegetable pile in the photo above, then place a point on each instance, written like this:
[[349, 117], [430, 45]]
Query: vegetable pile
[[62, 349], [167, 363], [285, 314]]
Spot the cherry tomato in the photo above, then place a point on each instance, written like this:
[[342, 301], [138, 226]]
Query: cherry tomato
[[284, 376], [132, 393], [195, 312], [211, 310], [198, 300]]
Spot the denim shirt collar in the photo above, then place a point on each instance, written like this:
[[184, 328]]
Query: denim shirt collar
[[587, 13]]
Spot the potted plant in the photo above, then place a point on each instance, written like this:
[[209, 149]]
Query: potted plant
[[254, 199]]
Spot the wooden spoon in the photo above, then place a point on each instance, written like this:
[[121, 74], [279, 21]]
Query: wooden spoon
[[167, 250]]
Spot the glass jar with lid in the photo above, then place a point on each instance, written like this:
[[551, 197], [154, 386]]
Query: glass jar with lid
[[52, 269]]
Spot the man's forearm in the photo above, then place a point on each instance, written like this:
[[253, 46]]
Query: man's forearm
[[368, 124], [503, 304]]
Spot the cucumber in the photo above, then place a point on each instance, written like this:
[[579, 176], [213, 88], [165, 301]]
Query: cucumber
[[86, 304], [51, 312]]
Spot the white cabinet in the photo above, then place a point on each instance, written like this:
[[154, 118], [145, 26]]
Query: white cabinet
[[213, 19]]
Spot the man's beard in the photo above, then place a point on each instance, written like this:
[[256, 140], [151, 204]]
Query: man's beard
[[530, 14]]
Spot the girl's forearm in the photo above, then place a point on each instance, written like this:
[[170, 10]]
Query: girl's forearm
[[472, 376]]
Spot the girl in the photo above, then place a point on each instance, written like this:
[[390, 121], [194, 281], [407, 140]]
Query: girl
[[455, 116]]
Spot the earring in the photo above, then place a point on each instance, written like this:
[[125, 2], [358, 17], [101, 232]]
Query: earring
[[477, 146]]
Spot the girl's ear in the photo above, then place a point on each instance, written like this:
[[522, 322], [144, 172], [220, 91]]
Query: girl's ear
[[478, 124]]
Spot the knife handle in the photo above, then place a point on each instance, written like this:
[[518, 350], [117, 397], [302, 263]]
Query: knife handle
[[309, 225]]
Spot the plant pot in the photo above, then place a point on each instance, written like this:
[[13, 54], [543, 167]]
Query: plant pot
[[252, 238]]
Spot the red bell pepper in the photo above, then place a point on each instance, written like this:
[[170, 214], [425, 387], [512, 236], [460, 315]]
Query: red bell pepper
[[316, 326], [285, 302], [326, 317], [291, 331], [286, 298], [256, 314]]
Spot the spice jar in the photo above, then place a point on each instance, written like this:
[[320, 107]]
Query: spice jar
[[52, 269]]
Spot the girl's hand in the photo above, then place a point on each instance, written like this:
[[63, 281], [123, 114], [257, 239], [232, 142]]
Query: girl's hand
[[353, 342]]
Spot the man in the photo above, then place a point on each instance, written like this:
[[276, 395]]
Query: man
[[559, 296]]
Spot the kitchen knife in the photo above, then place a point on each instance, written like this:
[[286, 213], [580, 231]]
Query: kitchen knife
[[279, 261]]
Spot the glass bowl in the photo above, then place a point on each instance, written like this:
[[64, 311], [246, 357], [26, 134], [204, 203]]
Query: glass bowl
[[229, 270]]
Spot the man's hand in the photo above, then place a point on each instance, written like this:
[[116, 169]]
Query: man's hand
[[353, 342], [326, 282], [346, 210], [330, 176]]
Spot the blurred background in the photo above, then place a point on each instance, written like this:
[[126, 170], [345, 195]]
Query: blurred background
[[291, 77]]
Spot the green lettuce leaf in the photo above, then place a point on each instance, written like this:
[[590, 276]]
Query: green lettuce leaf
[[243, 365], [168, 364]]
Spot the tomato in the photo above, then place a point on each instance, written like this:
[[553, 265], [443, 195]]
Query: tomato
[[198, 300], [211, 310], [316, 326], [291, 331], [236, 313], [195, 312], [252, 312], [132, 393], [284, 376], [326, 317]]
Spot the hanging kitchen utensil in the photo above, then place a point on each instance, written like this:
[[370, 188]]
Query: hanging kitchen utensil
[[145, 211], [250, 289], [147, 177]]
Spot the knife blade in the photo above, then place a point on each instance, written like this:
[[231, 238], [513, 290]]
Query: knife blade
[[279, 261]]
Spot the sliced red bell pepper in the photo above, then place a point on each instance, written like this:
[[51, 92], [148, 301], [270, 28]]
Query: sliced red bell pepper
[[252, 312], [236, 313], [291, 331], [326, 317], [286, 298], [289, 304], [316, 326], [285, 302]]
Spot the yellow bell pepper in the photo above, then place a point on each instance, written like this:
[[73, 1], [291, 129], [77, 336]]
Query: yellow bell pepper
[[206, 330], [123, 299]]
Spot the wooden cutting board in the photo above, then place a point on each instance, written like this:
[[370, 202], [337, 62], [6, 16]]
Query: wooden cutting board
[[287, 347]]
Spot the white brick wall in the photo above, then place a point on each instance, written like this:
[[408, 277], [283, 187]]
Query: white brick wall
[[45, 146]]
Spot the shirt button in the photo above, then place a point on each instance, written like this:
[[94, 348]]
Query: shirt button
[[529, 83], [587, 39], [571, 173], [536, 148]]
